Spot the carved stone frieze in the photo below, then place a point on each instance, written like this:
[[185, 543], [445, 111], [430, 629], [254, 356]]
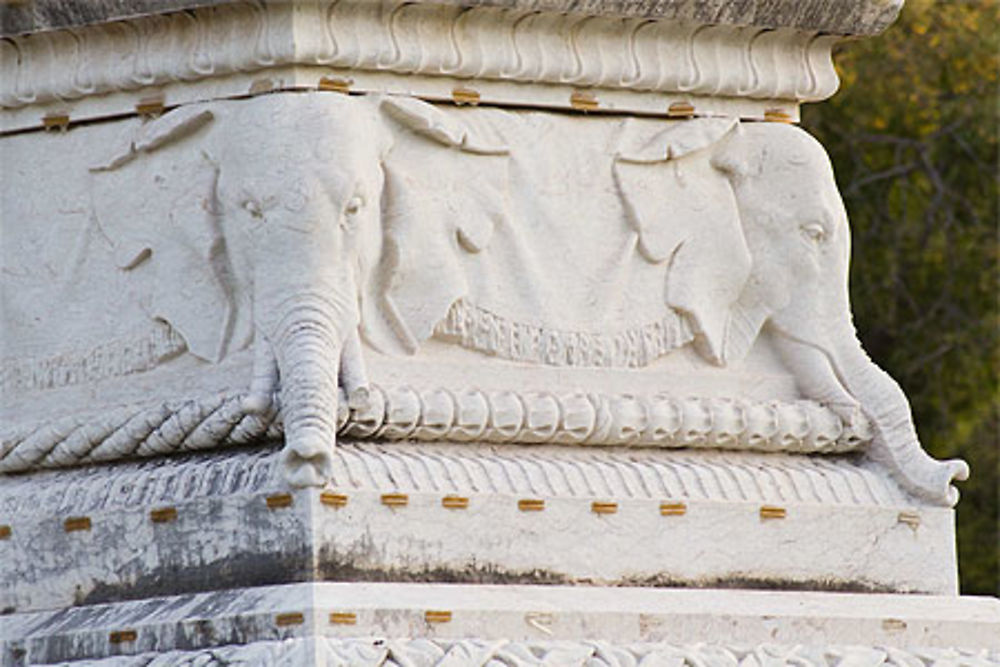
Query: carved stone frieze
[[702, 258]]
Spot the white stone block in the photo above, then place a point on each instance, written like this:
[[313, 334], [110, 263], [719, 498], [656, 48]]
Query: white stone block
[[459, 624]]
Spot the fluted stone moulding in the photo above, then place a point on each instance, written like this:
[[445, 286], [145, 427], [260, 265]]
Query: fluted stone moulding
[[745, 59]]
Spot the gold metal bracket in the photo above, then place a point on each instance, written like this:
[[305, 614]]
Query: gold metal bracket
[[455, 502], [583, 100], [333, 499], [680, 110], [437, 616], [462, 96], [290, 618], [672, 509], [603, 507], [343, 618], [279, 500], [76, 523], [395, 499], [772, 512], [531, 505], [163, 515]]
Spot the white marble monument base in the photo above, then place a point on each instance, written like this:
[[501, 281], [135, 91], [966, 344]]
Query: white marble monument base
[[458, 624]]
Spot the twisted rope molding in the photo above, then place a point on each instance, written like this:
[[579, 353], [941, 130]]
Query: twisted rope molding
[[405, 413], [438, 40]]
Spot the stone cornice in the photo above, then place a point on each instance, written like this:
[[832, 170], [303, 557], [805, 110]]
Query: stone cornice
[[502, 55]]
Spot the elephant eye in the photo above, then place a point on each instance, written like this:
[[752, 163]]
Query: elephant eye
[[354, 205], [814, 231]]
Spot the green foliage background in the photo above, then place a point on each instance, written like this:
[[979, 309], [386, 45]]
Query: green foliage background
[[913, 138]]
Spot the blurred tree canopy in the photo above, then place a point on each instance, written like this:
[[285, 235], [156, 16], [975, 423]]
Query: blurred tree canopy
[[913, 138]]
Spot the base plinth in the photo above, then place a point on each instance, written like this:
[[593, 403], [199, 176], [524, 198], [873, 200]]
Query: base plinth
[[467, 514], [436, 624]]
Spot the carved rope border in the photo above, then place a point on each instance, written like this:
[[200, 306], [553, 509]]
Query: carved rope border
[[440, 415]]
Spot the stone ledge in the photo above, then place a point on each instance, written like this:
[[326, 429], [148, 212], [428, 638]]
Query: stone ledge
[[477, 46], [465, 513], [741, 59], [394, 615]]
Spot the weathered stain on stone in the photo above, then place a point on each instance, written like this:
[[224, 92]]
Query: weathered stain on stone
[[739, 581], [857, 17], [335, 568], [248, 570], [340, 567], [233, 571]]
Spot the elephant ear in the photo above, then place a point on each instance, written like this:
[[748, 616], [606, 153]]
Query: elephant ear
[[683, 138], [441, 207], [432, 122], [148, 137], [684, 213], [747, 319], [157, 207], [738, 161]]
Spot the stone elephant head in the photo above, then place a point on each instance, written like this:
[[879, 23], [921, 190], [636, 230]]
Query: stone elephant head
[[446, 190], [796, 229], [262, 222]]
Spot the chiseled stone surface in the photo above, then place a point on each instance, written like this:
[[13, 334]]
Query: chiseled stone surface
[[426, 622], [846, 17]]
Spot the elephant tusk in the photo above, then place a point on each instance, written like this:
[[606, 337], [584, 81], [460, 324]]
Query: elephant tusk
[[265, 377], [353, 377]]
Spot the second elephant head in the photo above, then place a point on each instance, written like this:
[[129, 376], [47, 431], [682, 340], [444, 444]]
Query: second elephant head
[[265, 222], [796, 230]]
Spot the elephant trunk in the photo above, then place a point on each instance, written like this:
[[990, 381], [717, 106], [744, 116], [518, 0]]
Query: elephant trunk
[[307, 342], [895, 444]]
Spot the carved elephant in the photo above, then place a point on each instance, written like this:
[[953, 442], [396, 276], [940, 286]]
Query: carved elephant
[[280, 239], [796, 229], [645, 202]]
